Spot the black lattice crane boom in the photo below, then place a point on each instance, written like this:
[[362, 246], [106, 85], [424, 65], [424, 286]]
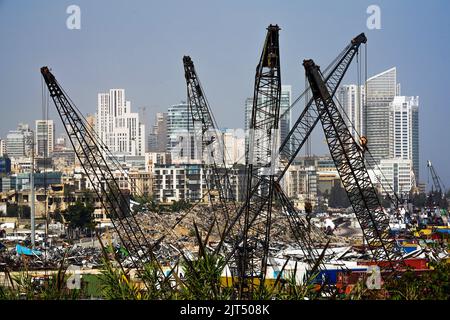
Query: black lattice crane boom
[[261, 155], [437, 186], [349, 161], [91, 154], [288, 150], [309, 117], [212, 147]]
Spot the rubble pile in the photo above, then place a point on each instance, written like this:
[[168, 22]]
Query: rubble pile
[[52, 258], [174, 232], [172, 235]]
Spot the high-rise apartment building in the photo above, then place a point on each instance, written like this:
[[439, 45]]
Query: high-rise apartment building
[[28, 135], [118, 127], [175, 182], [15, 144], [157, 138], [351, 98], [285, 112], [301, 181], [19, 142], [405, 130], [389, 121], [180, 134], [44, 138]]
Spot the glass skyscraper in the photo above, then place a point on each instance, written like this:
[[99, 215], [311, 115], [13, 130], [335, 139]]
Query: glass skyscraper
[[381, 90]]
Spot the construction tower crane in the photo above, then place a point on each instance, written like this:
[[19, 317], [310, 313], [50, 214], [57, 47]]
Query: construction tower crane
[[213, 152], [349, 161], [92, 154], [296, 138], [261, 155], [438, 185], [309, 117]]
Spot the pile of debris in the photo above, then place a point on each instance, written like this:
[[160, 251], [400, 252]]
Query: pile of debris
[[174, 233], [51, 258]]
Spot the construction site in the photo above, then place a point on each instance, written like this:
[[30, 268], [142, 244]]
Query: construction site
[[257, 244]]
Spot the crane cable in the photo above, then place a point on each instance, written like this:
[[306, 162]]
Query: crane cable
[[43, 107], [359, 136]]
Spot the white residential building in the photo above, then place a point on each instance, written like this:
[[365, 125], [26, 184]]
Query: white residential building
[[175, 182], [301, 181], [234, 146], [351, 98], [405, 129], [44, 138], [394, 175], [118, 127], [389, 121], [19, 142]]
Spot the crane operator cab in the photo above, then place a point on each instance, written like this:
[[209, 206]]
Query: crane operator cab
[[363, 144]]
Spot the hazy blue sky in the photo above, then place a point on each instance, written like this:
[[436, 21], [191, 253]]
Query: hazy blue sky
[[138, 45]]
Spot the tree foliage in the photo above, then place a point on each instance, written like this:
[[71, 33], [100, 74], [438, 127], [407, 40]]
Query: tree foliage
[[80, 216]]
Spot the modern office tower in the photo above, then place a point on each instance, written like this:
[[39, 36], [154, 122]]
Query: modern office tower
[[285, 113], [44, 138], [415, 141], [157, 138], [15, 144], [405, 129], [180, 134], [28, 136], [118, 127], [389, 121], [351, 98], [381, 90]]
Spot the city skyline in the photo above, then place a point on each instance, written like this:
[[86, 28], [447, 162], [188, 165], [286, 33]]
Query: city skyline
[[83, 81], [224, 150]]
